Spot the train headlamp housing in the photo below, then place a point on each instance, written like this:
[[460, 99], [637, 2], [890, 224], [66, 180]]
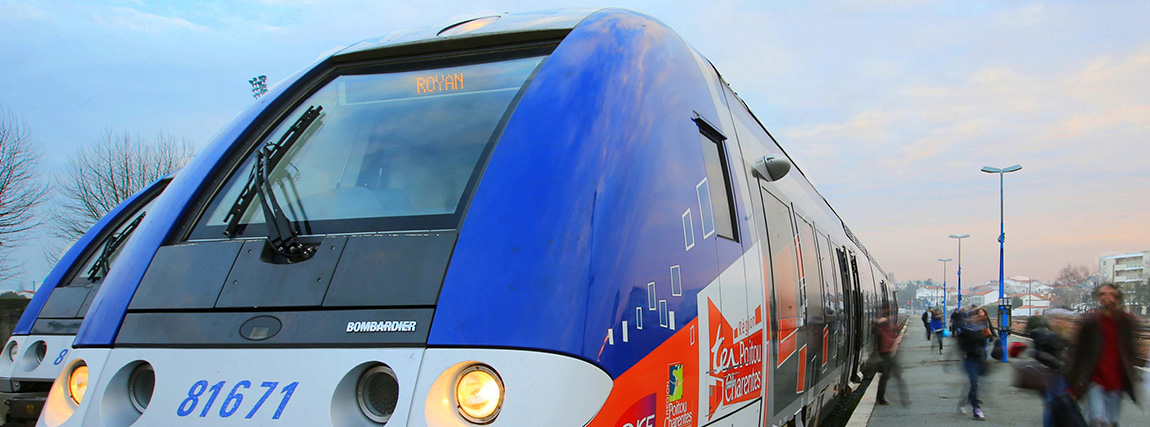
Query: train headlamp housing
[[378, 393], [141, 384], [41, 351], [479, 394], [78, 382], [13, 350]]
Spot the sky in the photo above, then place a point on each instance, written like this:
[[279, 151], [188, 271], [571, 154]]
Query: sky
[[890, 107]]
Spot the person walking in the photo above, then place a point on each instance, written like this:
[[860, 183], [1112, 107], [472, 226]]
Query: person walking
[[983, 319], [936, 326], [1103, 358], [886, 331], [1048, 352], [926, 322], [972, 341], [955, 320]]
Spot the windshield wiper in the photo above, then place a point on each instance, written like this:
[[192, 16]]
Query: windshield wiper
[[282, 237], [103, 262]]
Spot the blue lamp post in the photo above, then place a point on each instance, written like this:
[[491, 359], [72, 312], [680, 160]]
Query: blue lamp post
[[945, 313], [955, 236], [1003, 327]]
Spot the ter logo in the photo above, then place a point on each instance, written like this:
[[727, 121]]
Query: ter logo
[[675, 383]]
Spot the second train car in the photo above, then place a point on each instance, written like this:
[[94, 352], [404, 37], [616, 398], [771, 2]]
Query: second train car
[[554, 218], [41, 340]]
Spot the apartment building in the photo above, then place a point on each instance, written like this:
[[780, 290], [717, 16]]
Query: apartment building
[[1124, 268]]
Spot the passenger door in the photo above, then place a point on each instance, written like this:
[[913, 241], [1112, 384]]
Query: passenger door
[[811, 294], [787, 314], [852, 309]]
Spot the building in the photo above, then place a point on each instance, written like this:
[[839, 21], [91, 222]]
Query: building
[[932, 295], [1125, 268], [981, 298], [1021, 284], [1027, 310], [1034, 299]]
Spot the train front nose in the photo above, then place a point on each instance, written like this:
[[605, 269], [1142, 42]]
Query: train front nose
[[236, 386], [346, 387]]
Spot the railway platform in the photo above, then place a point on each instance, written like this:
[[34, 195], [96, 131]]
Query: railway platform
[[936, 383]]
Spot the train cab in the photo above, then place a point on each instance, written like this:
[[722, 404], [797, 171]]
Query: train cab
[[550, 218]]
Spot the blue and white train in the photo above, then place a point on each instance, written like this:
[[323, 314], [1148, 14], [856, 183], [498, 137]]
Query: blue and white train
[[554, 218], [39, 346]]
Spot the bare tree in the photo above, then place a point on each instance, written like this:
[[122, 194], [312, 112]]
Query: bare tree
[[20, 191], [1070, 283], [1073, 275], [1138, 294], [108, 171]]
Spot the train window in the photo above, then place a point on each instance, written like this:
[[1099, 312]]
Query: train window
[[827, 267], [781, 239], [716, 189], [100, 259], [375, 149], [811, 284]]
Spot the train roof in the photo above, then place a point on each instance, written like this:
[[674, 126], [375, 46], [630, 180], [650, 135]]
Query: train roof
[[511, 28], [486, 30]]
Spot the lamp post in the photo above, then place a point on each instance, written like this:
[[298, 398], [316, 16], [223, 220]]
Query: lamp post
[[1003, 327], [945, 313], [955, 236]]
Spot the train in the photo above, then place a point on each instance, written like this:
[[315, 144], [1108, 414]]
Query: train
[[33, 357], [550, 218]]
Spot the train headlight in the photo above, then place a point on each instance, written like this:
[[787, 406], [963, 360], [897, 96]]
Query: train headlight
[[78, 382], [13, 350], [141, 384], [479, 394], [378, 393]]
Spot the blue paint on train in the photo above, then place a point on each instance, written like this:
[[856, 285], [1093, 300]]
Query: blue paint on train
[[555, 251], [59, 273], [560, 251]]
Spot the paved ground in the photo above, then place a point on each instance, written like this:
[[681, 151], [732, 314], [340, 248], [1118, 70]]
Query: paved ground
[[936, 384]]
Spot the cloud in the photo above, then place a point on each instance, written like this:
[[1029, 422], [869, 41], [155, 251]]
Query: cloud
[[20, 11], [135, 20], [873, 126], [1077, 128]]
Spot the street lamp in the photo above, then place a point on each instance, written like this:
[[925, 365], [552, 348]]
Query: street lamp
[[944, 311], [1003, 327], [955, 236]]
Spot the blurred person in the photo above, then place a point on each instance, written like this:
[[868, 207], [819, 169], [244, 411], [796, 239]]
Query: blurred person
[[983, 319], [972, 338], [1063, 322], [1102, 367], [937, 327], [1049, 349], [955, 320], [886, 331], [926, 322]]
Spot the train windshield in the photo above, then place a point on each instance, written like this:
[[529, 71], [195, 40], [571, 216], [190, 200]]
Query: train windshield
[[388, 150], [101, 258]]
